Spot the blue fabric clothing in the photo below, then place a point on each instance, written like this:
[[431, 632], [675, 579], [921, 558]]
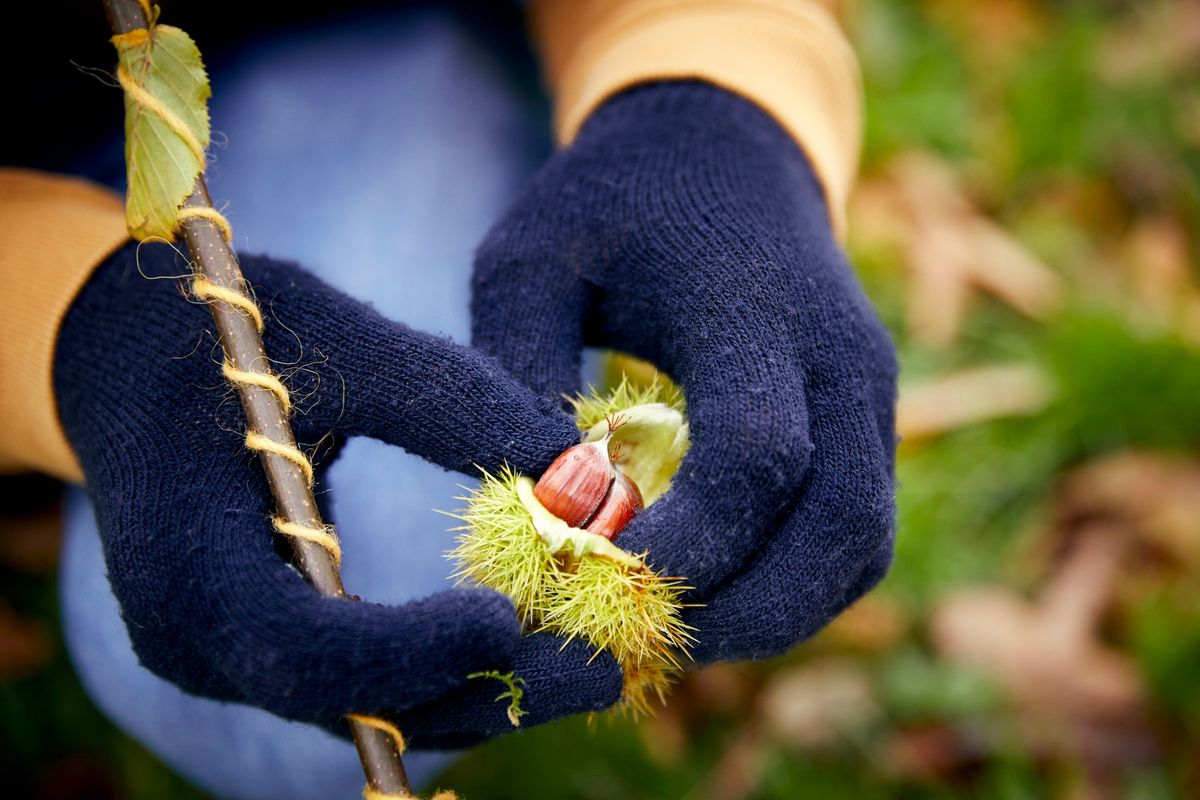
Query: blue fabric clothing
[[376, 154]]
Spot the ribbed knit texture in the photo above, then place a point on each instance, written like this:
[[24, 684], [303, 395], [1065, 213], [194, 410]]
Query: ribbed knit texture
[[684, 226], [183, 508]]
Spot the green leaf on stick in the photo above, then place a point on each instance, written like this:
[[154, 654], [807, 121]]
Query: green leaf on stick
[[162, 164]]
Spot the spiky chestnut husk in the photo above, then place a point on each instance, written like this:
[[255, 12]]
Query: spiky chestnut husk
[[631, 611], [596, 407], [646, 685], [647, 427], [498, 547], [575, 583]]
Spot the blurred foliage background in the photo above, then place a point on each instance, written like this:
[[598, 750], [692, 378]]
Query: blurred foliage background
[[1028, 224]]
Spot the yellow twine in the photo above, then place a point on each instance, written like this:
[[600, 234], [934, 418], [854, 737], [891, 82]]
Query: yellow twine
[[381, 725], [256, 441], [391, 730], [325, 537], [148, 101], [264, 380], [208, 213], [374, 794], [205, 289]]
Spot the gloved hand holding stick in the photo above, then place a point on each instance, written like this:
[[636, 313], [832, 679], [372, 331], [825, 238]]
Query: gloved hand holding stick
[[265, 402]]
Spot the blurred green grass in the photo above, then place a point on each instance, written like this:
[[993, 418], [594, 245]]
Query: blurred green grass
[[1020, 114]]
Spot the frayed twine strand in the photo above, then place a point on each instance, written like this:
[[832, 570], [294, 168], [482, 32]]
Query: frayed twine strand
[[381, 725], [215, 217], [374, 794], [264, 380], [257, 442], [325, 537], [204, 289]]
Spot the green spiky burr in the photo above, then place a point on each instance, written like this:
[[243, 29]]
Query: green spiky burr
[[578, 584]]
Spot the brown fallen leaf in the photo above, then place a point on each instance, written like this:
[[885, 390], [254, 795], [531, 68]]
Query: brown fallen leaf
[[950, 249], [1156, 251], [969, 397], [1157, 257], [937, 752], [817, 705], [664, 735], [720, 689], [997, 31], [1155, 496], [807, 707], [739, 770], [873, 624], [1074, 691], [1003, 267], [953, 755], [1151, 42]]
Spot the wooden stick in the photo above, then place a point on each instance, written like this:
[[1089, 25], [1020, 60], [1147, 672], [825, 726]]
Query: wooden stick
[[215, 260]]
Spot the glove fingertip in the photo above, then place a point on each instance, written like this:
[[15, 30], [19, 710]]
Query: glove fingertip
[[536, 437], [566, 678], [551, 681]]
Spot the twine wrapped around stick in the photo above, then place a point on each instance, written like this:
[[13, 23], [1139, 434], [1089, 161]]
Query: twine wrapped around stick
[[264, 396]]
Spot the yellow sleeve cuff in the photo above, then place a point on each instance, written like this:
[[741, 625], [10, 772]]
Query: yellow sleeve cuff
[[788, 56], [53, 232]]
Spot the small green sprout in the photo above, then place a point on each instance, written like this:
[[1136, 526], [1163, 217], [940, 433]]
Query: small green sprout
[[513, 694]]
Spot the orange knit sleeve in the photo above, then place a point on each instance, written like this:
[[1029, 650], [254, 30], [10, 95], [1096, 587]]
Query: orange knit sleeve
[[53, 232], [788, 56]]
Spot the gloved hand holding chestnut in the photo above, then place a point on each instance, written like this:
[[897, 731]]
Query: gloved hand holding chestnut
[[684, 226], [183, 509]]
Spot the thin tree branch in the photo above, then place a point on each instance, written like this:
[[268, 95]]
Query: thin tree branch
[[215, 259]]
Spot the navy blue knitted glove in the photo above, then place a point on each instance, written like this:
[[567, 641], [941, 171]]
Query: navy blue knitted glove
[[684, 226], [183, 508]]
